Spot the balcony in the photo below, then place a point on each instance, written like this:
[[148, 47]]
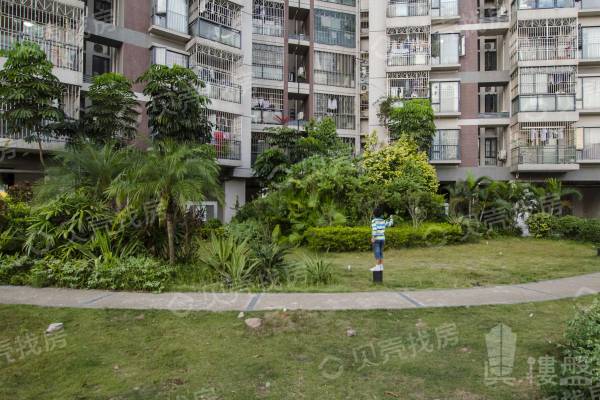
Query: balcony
[[228, 151], [544, 4], [170, 24], [408, 8], [544, 158], [544, 103], [222, 90], [24, 141], [589, 154], [444, 154]]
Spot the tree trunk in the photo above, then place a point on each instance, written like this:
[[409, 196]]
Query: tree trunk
[[41, 152], [171, 236]]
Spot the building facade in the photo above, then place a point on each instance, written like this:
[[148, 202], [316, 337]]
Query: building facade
[[515, 87]]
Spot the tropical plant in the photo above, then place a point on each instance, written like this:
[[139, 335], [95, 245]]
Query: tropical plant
[[56, 226], [87, 167], [230, 261], [466, 196], [176, 110], [413, 120], [171, 175], [30, 94], [14, 217], [555, 190], [112, 114], [315, 270]]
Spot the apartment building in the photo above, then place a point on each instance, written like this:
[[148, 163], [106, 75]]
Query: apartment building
[[515, 87], [265, 63]]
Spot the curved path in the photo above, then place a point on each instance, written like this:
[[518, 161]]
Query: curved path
[[195, 301]]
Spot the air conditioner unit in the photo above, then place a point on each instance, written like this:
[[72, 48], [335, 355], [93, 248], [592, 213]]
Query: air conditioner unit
[[490, 46], [502, 155]]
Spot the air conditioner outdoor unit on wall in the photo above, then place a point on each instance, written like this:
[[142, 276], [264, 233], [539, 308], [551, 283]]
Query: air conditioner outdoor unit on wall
[[502, 155]]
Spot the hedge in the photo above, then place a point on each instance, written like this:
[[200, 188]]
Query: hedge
[[544, 225], [359, 238]]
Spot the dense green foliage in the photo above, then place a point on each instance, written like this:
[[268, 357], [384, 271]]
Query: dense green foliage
[[543, 225], [30, 94], [112, 114], [176, 110], [287, 146], [413, 121], [359, 238], [580, 355]]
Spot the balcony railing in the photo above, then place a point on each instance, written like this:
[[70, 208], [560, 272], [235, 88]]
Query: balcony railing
[[268, 28], [444, 8], [590, 152], [171, 20], [227, 149], [217, 33], [408, 56], [546, 48], [544, 155], [542, 4], [341, 121], [444, 152], [544, 102], [226, 92], [408, 8], [334, 79], [62, 55]]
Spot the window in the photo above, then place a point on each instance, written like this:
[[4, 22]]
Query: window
[[335, 28], [162, 56], [444, 8], [490, 55], [267, 62], [445, 48], [267, 106], [226, 133], [171, 14], [444, 96], [588, 93], [590, 42], [334, 69], [445, 145], [103, 10], [408, 8], [351, 3], [546, 88], [545, 39], [364, 21], [591, 144], [491, 151], [259, 145], [267, 18], [340, 108], [217, 20]]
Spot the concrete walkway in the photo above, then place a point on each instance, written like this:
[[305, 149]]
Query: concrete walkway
[[195, 301]]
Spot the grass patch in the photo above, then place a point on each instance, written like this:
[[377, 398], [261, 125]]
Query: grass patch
[[114, 354], [495, 262]]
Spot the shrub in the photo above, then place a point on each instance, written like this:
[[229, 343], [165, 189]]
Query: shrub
[[14, 270], [315, 271], [581, 347], [271, 264], [359, 238], [544, 225], [132, 273], [64, 273], [13, 224], [541, 224], [230, 261]]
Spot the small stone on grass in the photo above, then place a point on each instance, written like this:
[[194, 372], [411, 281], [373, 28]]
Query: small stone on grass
[[55, 327], [254, 323]]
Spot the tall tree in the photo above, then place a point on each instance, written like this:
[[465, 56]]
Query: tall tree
[[172, 174], [30, 94], [176, 110], [112, 114], [413, 120]]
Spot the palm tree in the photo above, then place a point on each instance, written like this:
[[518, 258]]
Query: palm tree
[[556, 190], [173, 175], [85, 166], [468, 192]]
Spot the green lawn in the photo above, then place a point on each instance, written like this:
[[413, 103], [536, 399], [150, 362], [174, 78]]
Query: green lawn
[[160, 355], [494, 262]]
